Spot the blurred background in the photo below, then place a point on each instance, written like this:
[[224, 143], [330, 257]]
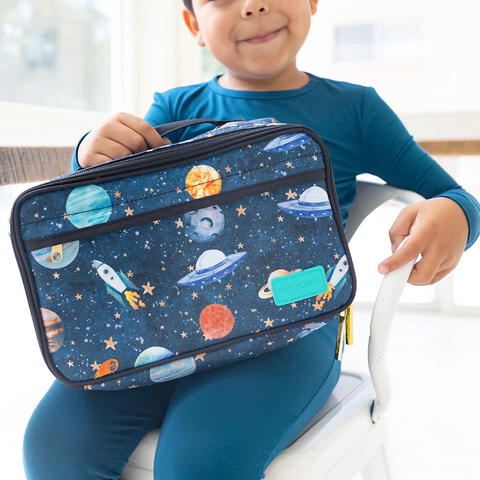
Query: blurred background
[[67, 65]]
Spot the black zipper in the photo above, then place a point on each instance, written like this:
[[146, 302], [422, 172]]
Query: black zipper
[[160, 159], [174, 210]]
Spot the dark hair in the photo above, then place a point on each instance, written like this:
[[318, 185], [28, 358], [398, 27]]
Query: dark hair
[[188, 4]]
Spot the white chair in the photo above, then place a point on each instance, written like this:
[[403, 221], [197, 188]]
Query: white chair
[[348, 435]]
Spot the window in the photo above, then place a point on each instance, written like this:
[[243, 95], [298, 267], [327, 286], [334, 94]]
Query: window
[[396, 41], [56, 53]]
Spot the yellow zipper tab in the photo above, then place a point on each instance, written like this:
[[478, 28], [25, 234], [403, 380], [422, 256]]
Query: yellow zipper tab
[[349, 323], [57, 253], [340, 337]]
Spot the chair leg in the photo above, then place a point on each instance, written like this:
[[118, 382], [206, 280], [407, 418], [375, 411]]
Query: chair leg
[[382, 464]]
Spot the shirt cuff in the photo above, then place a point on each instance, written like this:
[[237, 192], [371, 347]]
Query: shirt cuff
[[74, 163]]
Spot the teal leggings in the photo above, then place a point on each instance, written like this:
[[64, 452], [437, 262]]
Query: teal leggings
[[227, 423]]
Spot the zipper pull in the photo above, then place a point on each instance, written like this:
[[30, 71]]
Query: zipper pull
[[57, 253], [349, 323], [340, 337]]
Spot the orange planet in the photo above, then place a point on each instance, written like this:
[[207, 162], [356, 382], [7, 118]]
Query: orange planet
[[53, 329], [216, 320], [203, 181]]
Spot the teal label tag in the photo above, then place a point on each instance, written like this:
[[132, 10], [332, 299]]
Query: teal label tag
[[299, 285]]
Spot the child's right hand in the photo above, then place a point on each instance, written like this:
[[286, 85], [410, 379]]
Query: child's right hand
[[122, 135]]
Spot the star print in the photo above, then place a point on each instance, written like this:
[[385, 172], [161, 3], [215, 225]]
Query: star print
[[191, 268], [36, 215], [294, 305], [228, 169], [228, 286], [269, 343], [129, 211], [95, 365], [261, 164], [315, 157], [253, 309], [291, 340], [280, 219], [110, 344], [207, 337], [330, 229], [129, 273], [240, 245], [190, 240], [289, 164], [70, 363], [142, 340], [163, 269], [162, 303], [248, 268], [78, 297], [194, 295], [151, 190], [336, 256], [124, 254], [273, 240], [179, 190], [72, 342], [249, 146], [241, 210], [108, 325], [200, 357], [317, 306], [147, 241], [133, 386], [220, 296], [186, 313], [266, 193], [179, 223], [56, 275], [155, 222], [78, 269], [49, 297], [236, 226], [162, 327], [117, 315], [290, 194], [117, 194], [65, 216], [301, 239], [268, 322], [148, 288], [184, 334]]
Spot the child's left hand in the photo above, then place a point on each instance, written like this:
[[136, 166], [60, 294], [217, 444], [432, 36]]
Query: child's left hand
[[438, 229]]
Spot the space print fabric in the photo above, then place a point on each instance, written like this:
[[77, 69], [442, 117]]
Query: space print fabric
[[147, 277]]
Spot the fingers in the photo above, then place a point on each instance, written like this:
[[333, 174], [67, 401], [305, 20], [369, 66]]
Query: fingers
[[108, 149], [401, 227], [136, 133]]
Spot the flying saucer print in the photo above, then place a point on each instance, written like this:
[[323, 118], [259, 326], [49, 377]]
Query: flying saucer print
[[284, 143], [313, 203], [212, 265]]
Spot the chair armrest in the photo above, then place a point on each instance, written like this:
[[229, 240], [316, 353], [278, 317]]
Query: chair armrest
[[388, 297]]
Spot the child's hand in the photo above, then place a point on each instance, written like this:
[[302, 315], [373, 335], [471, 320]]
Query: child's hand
[[122, 135], [438, 229]]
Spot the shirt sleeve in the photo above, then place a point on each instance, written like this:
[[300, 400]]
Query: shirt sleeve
[[392, 154], [74, 163]]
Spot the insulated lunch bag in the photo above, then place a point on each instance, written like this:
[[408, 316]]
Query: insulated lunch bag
[[185, 258]]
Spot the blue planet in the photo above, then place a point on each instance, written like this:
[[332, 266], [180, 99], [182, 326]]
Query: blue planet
[[284, 143], [204, 225], [169, 371], [313, 203], [88, 205], [44, 255], [212, 265]]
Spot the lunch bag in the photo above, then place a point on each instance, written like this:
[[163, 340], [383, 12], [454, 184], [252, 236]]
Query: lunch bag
[[185, 258]]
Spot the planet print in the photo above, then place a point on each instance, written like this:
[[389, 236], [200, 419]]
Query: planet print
[[216, 320], [168, 371], [88, 205], [204, 225], [203, 181], [53, 329], [44, 255]]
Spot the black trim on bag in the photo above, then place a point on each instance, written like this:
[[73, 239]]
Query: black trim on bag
[[259, 134], [174, 210]]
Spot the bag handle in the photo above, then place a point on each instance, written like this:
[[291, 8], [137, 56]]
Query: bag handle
[[167, 128]]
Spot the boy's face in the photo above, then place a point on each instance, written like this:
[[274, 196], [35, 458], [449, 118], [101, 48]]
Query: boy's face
[[225, 27]]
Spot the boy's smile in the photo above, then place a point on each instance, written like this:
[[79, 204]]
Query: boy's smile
[[256, 40]]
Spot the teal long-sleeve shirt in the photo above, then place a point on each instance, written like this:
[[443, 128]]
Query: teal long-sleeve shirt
[[361, 132]]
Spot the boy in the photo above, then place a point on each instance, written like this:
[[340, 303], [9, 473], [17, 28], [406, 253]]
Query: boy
[[231, 422]]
